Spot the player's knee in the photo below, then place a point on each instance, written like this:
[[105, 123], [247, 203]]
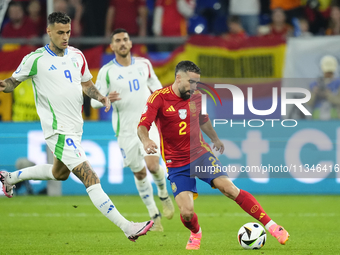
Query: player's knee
[[187, 212], [153, 167], [61, 173], [187, 215], [62, 176], [140, 175]]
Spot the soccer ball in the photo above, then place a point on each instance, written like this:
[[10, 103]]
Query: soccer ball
[[252, 236]]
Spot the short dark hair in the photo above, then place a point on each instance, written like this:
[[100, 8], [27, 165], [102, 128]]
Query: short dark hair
[[118, 31], [16, 4], [234, 19], [187, 66], [58, 17]]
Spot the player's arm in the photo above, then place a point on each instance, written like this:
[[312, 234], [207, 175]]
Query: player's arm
[[104, 86], [208, 129], [90, 90], [153, 81], [148, 116], [8, 85]]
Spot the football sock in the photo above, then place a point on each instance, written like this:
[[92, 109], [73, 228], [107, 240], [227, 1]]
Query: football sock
[[106, 207], [37, 172], [159, 179], [192, 225], [269, 224], [250, 205], [145, 190]]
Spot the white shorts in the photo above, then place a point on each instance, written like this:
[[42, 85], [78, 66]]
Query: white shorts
[[67, 148], [133, 151]]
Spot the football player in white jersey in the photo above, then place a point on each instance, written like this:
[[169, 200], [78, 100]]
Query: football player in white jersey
[[60, 75], [127, 81]]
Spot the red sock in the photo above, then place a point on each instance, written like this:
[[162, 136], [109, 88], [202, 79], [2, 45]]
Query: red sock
[[250, 205], [192, 225]]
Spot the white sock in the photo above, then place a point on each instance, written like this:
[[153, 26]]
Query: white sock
[[269, 224], [38, 172], [106, 207], [145, 190], [159, 179], [199, 231]]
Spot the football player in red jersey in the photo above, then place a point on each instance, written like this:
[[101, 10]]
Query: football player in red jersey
[[180, 122]]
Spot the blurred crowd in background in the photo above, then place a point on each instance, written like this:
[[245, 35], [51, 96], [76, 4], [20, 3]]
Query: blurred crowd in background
[[231, 19], [234, 22]]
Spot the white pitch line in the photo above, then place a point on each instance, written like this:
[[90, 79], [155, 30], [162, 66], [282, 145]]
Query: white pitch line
[[81, 215]]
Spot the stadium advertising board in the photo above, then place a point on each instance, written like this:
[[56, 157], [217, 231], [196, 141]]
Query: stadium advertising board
[[300, 160]]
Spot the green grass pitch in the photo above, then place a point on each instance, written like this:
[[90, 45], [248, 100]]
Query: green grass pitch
[[72, 225]]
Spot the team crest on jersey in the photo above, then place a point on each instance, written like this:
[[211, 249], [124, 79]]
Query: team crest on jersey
[[141, 72], [192, 107], [75, 62], [182, 113], [173, 187]]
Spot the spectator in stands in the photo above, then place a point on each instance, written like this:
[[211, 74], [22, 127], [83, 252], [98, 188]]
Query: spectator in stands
[[303, 28], [74, 9], [209, 17], [236, 31], [292, 8], [278, 27], [19, 25], [325, 96], [248, 11], [170, 17], [334, 22], [35, 15], [94, 17], [130, 15], [317, 14]]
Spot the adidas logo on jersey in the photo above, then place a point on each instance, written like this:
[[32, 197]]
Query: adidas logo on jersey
[[52, 68], [120, 77], [171, 109]]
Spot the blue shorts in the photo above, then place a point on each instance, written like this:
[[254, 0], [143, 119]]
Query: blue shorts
[[184, 178]]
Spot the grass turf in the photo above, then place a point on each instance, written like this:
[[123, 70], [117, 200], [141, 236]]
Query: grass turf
[[72, 225]]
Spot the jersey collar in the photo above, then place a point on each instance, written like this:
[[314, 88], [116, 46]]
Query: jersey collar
[[114, 60], [52, 53]]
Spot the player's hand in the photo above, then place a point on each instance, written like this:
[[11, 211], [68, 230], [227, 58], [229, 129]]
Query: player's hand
[[2, 85], [114, 96], [106, 102], [150, 147], [218, 146]]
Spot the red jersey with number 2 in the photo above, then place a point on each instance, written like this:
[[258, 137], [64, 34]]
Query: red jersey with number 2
[[178, 122]]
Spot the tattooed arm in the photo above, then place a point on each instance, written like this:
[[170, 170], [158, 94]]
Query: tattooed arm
[[8, 85], [90, 90]]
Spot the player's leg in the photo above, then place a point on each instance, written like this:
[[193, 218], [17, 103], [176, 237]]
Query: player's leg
[[145, 191], [38, 172], [251, 206], [157, 172], [184, 190], [104, 204], [185, 202], [133, 158]]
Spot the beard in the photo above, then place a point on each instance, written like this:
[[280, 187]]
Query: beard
[[184, 94], [122, 54]]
